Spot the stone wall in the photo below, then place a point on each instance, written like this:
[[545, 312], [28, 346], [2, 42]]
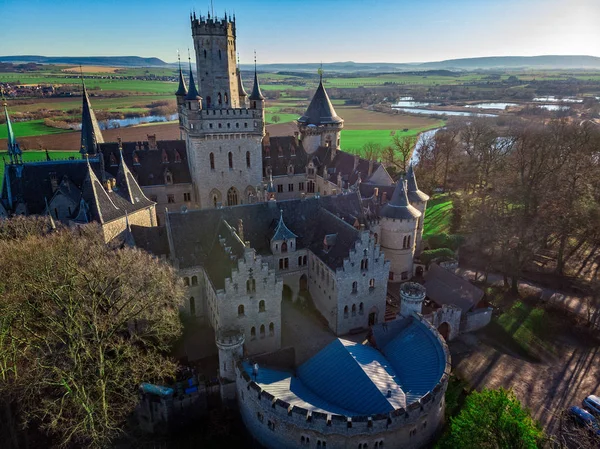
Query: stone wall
[[284, 181], [144, 217], [393, 232], [196, 283], [163, 194], [476, 320], [256, 288], [449, 314], [275, 423]]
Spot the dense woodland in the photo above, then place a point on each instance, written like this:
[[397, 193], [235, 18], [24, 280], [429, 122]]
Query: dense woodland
[[526, 195]]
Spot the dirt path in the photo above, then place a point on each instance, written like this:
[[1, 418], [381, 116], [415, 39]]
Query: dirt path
[[547, 387]]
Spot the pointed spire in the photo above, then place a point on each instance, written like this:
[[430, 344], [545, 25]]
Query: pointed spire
[[282, 232], [399, 207], [192, 92], [182, 89], [13, 147], [50, 217], [90, 131], [320, 111], [414, 194], [256, 93], [124, 177], [241, 90]]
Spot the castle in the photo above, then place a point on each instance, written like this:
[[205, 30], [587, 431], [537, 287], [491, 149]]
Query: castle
[[246, 219]]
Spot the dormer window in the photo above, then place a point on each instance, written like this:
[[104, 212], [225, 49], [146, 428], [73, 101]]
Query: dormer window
[[165, 157], [113, 160], [267, 151], [280, 152], [293, 150], [168, 177], [177, 157], [284, 247], [136, 159]]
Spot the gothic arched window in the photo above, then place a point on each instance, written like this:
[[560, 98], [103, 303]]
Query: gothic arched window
[[226, 98], [232, 197], [262, 331], [212, 161], [247, 159], [261, 306], [240, 310], [230, 159], [219, 98], [271, 329]]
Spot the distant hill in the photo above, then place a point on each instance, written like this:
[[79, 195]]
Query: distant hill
[[111, 61], [484, 63], [464, 64]]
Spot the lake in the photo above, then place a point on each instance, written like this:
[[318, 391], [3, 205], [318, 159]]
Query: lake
[[123, 122], [439, 112], [553, 107], [491, 105], [554, 99], [422, 138], [412, 104]]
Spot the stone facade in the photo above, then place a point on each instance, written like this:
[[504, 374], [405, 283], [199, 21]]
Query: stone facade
[[169, 196], [275, 423], [144, 217], [411, 298], [397, 242]]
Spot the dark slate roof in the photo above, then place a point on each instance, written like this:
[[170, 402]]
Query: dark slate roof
[[192, 93], [256, 93], [399, 207], [152, 239], [343, 163], [281, 231], [31, 183], [281, 152], [241, 90], [444, 287], [182, 89], [194, 233], [414, 194], [320, 110], [149, 166], [90, 131]]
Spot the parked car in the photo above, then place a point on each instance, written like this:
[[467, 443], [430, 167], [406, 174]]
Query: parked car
[[592, 404], [584, 419]]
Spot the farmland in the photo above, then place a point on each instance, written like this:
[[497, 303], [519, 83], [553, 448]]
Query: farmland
[[32, 156]]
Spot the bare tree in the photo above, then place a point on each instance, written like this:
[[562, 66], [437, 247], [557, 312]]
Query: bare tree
[[82, 324]]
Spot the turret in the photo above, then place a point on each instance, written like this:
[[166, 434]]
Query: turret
[[231, 349], [182, 89], [257, 101], [193, 100], [411, 298], [398, 230], [241, 91], [419, 200], [90, 131], [320, 126]]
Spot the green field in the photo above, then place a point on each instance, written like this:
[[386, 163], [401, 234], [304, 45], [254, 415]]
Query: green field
[[353, 140], [284, 118], [32, 156], [437, 215], [31, 128]]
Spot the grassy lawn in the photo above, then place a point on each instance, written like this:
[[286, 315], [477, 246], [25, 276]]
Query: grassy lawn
[[437, 215], [32, 156], [31, 128], [353, 140], [284, 118], [530, 327]]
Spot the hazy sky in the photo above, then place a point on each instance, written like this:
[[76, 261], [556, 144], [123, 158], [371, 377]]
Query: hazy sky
[[307, 30]]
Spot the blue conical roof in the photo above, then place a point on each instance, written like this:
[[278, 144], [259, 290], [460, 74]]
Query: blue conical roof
[[281, 231], [414, 194], [399, 207], [182, 89], [256, 93], [192, 94]]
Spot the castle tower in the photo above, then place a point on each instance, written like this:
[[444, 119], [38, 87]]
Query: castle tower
[[214, 42], [399, 221], [223, 137], [411, 298], [231, 349], [320, 126], [419, 200]]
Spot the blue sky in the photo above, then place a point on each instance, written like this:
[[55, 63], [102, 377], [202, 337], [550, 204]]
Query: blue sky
[[307, 30]]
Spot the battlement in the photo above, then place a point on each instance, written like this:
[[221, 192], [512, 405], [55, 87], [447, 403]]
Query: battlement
[[412, 291], [253, 396], [212, 26]]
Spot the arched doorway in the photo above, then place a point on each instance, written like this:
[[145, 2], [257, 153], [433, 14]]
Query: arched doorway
[[444, 330], [286, 293], [373, 316], [303, 283]]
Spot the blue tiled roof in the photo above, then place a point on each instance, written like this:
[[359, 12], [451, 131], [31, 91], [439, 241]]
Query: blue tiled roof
[[418, 358], [281, 231], [348, 378]]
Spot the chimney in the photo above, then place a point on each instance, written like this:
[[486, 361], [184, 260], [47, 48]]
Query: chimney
[[356, 159], [152, 141], [240, 225], [370, 172]]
